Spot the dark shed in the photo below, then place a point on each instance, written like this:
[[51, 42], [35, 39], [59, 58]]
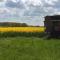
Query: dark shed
[[52, 24]]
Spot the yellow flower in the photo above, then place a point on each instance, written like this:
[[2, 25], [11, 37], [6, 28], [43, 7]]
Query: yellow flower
[[22, 29]]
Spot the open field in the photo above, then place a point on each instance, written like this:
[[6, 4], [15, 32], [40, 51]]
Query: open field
[[29, 48], [27, 43], [22, 29]]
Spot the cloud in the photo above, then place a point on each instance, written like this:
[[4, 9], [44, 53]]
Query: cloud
[[1, 0], [14, 4], [32, 7], [15, 0], [11, 4], [19, 8], [51, 2]]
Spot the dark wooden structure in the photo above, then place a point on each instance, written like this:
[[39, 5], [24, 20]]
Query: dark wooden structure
[[52, 24]]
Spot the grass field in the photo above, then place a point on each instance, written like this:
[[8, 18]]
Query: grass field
[[29, 48]]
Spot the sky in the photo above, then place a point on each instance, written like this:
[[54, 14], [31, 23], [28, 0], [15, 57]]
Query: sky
[[31, 12]]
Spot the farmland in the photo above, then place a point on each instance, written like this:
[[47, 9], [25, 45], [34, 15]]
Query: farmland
[[29, 48], [22, 29], [27, 43]]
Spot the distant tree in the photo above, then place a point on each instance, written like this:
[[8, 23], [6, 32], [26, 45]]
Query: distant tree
[[13, 24], [24, 24]]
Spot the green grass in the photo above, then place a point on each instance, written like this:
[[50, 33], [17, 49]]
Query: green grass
[[29, 48]]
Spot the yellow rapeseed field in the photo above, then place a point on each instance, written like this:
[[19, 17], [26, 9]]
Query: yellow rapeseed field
[[22, 29]]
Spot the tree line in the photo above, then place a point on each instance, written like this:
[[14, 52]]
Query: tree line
[[12, 24]]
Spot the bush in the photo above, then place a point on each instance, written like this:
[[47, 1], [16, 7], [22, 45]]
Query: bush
[[25, 34]]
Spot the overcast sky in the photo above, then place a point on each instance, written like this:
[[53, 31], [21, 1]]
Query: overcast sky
[[29, 11]]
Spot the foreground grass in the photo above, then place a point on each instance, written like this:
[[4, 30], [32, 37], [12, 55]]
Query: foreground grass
[[30, 48]]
